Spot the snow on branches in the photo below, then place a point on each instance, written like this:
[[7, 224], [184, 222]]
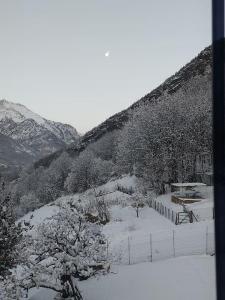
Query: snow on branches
[[65, 248]]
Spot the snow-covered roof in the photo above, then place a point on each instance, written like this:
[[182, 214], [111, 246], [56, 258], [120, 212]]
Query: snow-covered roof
[[186, 184]]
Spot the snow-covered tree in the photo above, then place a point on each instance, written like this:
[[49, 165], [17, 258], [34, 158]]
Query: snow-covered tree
[[79, 178], [88, 171], [42, 184], [160, 141], [10, 234], [137, 202], [103, 210], [101, 171], [9, 288], [105, 147], [66, 248], [129, 146], [59, 170], [28, 203]]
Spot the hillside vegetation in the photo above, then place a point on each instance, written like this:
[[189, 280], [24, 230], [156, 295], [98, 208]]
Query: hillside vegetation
[[157, 139]]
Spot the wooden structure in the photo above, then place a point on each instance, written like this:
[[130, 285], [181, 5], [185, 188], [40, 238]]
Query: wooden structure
[[183, 200], [185, 186], [185, 193]]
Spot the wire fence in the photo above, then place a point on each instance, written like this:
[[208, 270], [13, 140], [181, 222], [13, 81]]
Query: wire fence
[[162, 245], [200, 214]]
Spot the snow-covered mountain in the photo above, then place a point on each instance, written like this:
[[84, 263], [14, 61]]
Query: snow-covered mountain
[[35, 135], [12, 154]]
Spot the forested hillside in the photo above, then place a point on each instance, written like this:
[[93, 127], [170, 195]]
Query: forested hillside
[[199, 68], [157, 139]]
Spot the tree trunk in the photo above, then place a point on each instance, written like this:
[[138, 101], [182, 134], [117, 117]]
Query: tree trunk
[[137, 211], [75, 291]]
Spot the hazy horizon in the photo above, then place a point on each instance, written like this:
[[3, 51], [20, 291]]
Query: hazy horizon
[[81, 62]]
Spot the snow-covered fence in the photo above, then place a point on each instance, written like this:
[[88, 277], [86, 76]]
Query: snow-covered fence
[[200, 213], [167, 212], [162, 245]]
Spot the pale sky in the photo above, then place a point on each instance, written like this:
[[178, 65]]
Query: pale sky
[[81, 61]]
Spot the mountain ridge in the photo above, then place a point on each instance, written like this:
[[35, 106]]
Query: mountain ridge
[[198, 66], [36, 136]]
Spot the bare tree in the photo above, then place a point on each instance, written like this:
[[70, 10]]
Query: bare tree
[[137, 202]]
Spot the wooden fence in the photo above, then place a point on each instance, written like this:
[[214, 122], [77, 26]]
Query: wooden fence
[[169, 213]]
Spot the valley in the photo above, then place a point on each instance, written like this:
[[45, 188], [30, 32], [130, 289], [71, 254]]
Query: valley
[[95, 216]]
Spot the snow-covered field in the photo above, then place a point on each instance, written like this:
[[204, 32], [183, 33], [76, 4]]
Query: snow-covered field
[[173, 273], [190, 277], [180, 278], [153, 237]]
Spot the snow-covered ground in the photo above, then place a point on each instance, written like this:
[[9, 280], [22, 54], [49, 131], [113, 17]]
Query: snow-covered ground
[[174, 279], [203, 210], [153, 237], [149, 237], [190, 277], [173, 274]]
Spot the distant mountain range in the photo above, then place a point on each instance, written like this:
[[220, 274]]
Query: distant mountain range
[[26, 137]]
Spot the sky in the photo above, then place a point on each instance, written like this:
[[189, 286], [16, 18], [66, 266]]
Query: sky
[[81, 61]]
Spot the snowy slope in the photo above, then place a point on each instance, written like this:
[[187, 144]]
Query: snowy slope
[[190, 277], [197, 71], [180, 277], [195, 238], [12, 152], [18, 113]]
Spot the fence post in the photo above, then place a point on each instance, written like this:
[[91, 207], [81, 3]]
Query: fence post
[[206, 240], [128, 250], [150, 247], [174, 253]]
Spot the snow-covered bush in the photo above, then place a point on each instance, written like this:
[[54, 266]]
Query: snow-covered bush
[[9, 288], [97, 210], [65, 248]]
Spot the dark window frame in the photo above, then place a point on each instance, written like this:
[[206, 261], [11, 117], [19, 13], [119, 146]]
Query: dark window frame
[[219, 142]]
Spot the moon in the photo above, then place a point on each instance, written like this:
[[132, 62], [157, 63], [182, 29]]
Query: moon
[[107, 54]]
